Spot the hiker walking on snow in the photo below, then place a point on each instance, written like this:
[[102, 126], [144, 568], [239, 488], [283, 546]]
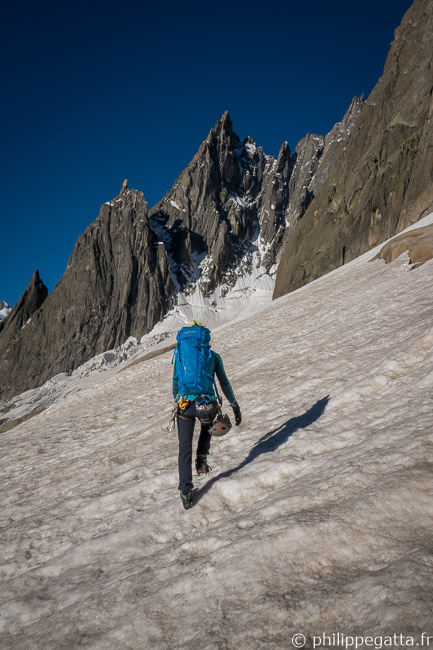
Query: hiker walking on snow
[[196, 396]]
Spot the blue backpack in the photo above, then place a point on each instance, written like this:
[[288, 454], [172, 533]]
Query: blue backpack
[[193, 355]]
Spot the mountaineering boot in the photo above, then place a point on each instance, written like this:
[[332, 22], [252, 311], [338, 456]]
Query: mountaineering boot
[[201, 465], [187, 499]]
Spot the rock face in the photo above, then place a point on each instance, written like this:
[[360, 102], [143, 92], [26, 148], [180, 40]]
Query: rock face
[[116, 284], [381, 180], [223, 220], [312, 159], [230, 200], [418, 244], [230, 208]]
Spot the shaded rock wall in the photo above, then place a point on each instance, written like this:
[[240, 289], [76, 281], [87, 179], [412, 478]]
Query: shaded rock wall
[[116, 284]]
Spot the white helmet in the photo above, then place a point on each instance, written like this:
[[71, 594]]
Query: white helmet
[[221, 425]]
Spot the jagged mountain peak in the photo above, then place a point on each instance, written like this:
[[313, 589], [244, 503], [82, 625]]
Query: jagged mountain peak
[[116, 285], [224, 123], [222, 134], [218, 207], [32, 298], [36, 277], [35, 284], [230, 201], [284, 148]]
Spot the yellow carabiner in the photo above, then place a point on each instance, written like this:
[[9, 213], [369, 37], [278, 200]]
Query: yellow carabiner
[[183, 403]]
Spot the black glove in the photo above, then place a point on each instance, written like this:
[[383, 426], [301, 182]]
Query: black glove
[[237, 414]]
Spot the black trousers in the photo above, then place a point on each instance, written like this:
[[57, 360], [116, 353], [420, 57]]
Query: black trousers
[[185, 432]]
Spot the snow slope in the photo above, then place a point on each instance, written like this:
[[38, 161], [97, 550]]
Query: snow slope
[[317, 517]]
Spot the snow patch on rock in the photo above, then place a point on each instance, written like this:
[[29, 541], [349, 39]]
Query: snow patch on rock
[[5, 309]]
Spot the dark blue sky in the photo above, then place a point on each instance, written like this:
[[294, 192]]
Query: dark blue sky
[[95, 92]]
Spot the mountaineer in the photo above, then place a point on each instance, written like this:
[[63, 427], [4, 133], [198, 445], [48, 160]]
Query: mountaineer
[[196, 396]]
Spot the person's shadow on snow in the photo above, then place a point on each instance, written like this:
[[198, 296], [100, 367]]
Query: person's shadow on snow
[[270, 442]]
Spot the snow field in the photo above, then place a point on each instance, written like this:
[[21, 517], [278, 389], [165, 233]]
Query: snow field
[[316, 517]]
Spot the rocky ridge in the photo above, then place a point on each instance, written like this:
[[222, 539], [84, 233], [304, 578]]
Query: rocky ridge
[[231, 207], [228, 203], [223, 221]]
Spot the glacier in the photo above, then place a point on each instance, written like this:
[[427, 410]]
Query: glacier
[[316, 518]]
